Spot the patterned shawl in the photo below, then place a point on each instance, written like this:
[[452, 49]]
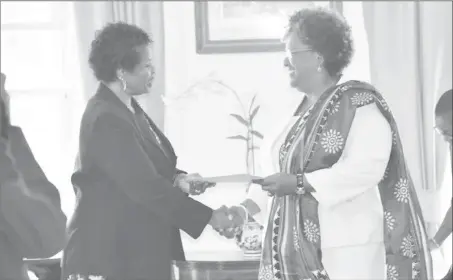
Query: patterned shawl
[[291, 248]]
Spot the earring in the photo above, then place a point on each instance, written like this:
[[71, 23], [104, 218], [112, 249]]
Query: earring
[[123, 82], [319, 69]]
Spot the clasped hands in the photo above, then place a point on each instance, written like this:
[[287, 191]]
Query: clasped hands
[[228, 221]]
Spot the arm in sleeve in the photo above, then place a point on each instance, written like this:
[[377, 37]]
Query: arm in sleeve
[[179, 171], [117, 151], [445, 228], [34, 221], [176, 177], [362, 164]]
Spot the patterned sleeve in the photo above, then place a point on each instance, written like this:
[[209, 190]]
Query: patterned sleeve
[[363, 161]]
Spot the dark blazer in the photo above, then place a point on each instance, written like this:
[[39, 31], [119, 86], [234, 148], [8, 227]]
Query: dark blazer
[[32, 224], [128, 213]]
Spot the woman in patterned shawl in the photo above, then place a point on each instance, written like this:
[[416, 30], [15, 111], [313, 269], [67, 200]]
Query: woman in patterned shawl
[[342, 205]]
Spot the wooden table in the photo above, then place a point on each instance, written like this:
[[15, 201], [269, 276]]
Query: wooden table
[[217, 266], [198, 266]]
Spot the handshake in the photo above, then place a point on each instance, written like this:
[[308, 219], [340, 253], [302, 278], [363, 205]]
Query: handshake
[[228, 221]]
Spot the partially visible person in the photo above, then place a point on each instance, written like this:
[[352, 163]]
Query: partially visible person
[[32, 224], [342, 205], [132, 201], [443, 120]]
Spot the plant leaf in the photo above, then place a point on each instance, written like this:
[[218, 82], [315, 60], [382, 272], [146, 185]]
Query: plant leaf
[[240, 119], [257, 134], [252, 103], [253, 114], [237, 137]]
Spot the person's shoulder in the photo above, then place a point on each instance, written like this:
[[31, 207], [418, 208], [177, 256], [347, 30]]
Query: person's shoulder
[[98, 109], [357, 93], [370, 106]]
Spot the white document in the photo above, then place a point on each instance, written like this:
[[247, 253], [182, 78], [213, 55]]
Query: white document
[[236, 178]]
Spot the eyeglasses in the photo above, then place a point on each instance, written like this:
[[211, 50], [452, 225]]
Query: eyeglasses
[[291, 53]]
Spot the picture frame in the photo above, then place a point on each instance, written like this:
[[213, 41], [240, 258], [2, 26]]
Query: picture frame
[[223, 27]]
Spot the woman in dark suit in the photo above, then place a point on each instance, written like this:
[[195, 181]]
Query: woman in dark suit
[[131, 199]]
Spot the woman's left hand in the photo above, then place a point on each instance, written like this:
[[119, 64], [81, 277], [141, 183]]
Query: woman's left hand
[[193, 184], [280, 184]]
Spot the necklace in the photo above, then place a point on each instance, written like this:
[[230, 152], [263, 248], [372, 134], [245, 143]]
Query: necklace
[[153, 131], [141, 114]]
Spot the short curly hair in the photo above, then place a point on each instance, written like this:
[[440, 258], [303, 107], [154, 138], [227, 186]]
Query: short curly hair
[[114, 47], [327, 33]]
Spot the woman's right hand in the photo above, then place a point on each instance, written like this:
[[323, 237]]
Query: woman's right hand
[[193, 184]]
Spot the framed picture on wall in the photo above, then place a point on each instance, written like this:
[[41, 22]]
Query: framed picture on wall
[[246, 26]]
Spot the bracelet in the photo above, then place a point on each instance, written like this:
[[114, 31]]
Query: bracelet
[[300, 188]]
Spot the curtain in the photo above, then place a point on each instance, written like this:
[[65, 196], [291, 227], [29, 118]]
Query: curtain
[[410, 62], [410, 48], [92, 16]]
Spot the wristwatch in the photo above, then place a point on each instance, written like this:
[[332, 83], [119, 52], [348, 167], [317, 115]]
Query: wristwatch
[[300, 188]]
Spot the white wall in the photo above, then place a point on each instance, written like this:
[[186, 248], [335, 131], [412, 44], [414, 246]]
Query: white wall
[[197, 127]]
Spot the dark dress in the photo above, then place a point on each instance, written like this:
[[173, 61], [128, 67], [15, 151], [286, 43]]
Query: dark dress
[[128, 213]]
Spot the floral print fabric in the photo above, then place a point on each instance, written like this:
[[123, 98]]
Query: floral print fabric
[[291, 249]]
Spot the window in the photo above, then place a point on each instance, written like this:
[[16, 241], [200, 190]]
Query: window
[[35, 58]]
